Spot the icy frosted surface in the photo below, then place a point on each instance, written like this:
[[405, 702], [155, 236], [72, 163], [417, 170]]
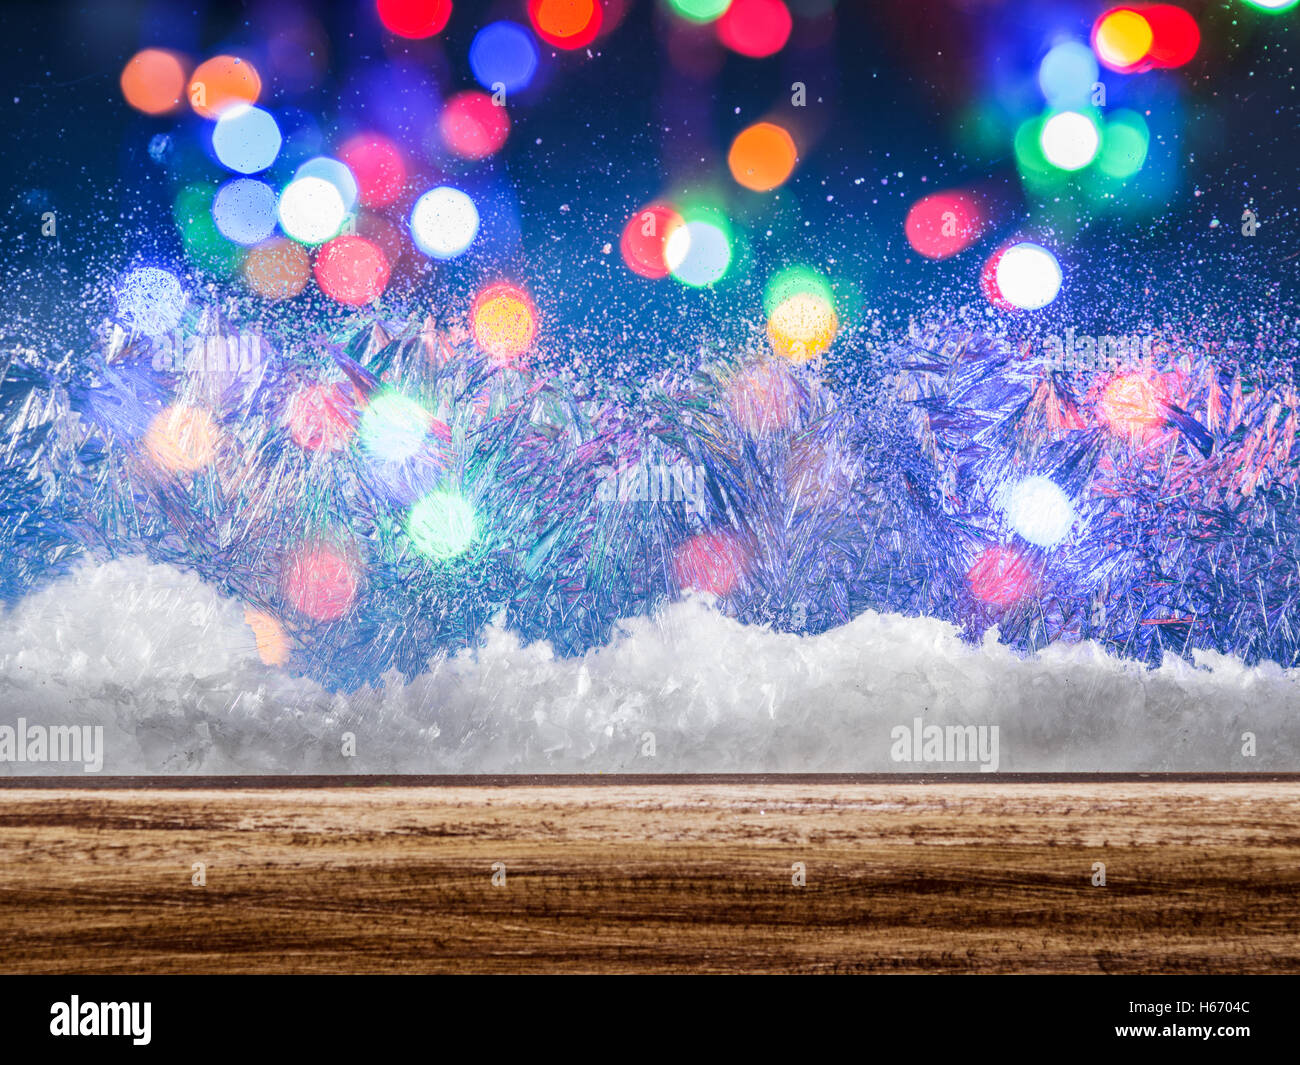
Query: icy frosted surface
[[169, 668]]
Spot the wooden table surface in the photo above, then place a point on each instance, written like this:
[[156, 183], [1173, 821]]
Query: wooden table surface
[[1202, 875]]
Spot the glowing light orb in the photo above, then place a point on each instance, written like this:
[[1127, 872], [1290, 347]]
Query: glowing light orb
[[755, 28], [762, 156], [394, 427], [472, 126], [802, 327], [1067, 74], [1132, 404], [943, 224], [700, 11], [444, 222], [1069, 140], [336, 173], [414, 19], [269, 635], [277, 269], [1121, 38], [698, 253], [1040, 511], [1175, 37], [311, 210], [1273, 7], [153, 81], [320, 418], [442, 525], [644, 242], [182, 439], [503, 53], [320, 581], [565, 24], [222, 82], [503, 321], [351, 270], [244, 211], [1124, 144], [1000, 576], [150, 301], [379, 168], [246, 139], [709, 562], [1027, 276]]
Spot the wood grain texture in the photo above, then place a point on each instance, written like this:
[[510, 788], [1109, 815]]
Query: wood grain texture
[[901, 877]]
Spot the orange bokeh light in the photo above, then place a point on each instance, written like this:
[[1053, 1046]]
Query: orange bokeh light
[[762, 156], [182, 439], [272, 640], [153, 81], [277, 269], [1132, 404], [504, 322], [565, 24], [222, 82]]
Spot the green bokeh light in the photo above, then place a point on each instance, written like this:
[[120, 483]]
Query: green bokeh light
[[700, 10], [442, 525], [204, 244], [1124, 145], [793, 281]]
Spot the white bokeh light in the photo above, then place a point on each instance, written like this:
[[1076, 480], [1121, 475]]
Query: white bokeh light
[[697, 253], [1028, 276], [311, 210], [1039, 511], [444, 222], [1069, 140]]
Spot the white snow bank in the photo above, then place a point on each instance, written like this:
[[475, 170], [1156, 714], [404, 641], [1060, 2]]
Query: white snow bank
[[168, 667]]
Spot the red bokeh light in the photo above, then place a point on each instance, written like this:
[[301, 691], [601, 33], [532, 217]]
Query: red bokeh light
[[989, 281], [942, 224], [565, 24], [351, 270], [709, 562], [645, 237], [1175, 37], [755, 28], [378, 165], [414, 18], [321, 582], [1000, 576], [320, 418], [472, 126]]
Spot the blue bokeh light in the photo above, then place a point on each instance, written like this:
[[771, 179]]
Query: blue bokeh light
[[244, 210], [246, 139], [503, 53]]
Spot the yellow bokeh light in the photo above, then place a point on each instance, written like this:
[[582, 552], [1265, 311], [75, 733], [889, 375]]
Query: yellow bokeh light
[[1122, 39], [802, 327]]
